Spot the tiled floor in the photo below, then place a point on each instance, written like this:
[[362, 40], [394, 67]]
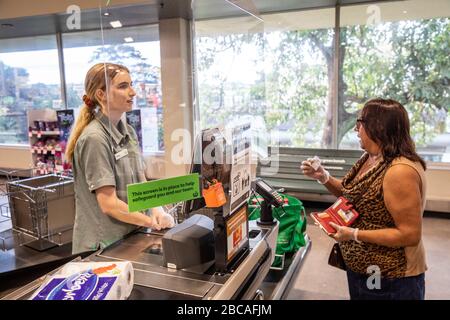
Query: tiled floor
[[318, 281]]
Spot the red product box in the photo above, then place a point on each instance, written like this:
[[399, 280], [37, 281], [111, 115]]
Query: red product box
[[341, 213]]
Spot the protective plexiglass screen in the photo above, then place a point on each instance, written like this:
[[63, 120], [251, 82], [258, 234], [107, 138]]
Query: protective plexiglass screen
[[114, 83]]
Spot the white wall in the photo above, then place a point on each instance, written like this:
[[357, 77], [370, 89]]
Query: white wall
[[438, 189]]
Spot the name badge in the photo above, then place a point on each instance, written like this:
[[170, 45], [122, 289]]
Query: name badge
[[121, 154]]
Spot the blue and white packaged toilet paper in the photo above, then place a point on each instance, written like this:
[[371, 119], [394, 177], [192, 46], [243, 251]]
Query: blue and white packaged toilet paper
[[88, 281]]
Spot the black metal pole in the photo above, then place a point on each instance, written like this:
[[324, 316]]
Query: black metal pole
[[266, 214]]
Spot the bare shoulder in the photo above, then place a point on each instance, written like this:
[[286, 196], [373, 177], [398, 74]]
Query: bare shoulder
[[402, 191], [401, 177]]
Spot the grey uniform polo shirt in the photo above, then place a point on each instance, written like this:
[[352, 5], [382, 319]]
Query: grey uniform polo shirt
[[105, 155]]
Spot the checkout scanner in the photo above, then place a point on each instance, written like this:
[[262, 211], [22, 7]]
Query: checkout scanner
[[190, 245]]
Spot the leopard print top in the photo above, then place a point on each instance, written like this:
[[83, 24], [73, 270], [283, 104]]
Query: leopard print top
[[366, 193]]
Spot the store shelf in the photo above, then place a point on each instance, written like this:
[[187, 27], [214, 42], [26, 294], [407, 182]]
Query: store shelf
[[45, 150], [48, 134], [43, 133]]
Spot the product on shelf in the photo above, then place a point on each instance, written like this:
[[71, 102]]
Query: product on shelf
[[47, 141]]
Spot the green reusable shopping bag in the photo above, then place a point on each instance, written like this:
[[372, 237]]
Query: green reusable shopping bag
[[292, 225]]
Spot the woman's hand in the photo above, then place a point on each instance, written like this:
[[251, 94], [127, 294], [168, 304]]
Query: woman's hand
[[343, 233], [319, 174]]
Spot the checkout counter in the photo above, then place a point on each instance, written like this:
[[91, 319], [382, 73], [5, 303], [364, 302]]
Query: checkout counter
[[250, 276], [240, 270], [155, 281], [239, 266]]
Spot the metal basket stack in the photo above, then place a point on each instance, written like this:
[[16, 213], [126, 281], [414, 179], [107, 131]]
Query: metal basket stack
[[43, 209]]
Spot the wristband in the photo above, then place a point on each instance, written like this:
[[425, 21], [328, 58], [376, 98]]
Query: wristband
[[327, 177], [355, 235]]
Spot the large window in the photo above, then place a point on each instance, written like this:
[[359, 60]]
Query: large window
[[29, 79], [277, 73], [274, 73], [401, 52], [281, 72], [138, 49]]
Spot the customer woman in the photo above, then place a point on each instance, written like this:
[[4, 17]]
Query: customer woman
[[387, 187], [104, 152]]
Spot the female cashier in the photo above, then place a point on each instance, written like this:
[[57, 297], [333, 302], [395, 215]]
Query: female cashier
[[104, 153]]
